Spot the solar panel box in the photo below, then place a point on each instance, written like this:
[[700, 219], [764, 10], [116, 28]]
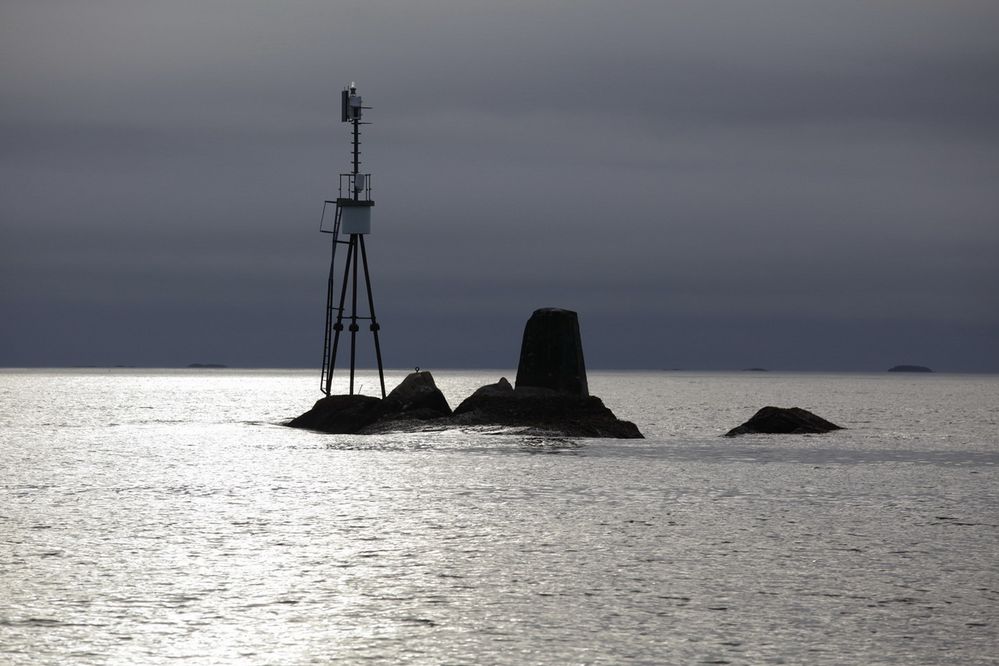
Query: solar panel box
[[355, 216]]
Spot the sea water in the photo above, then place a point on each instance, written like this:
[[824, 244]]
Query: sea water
[[148, 517]]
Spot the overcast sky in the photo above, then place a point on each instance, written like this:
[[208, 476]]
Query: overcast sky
[[710, 184]]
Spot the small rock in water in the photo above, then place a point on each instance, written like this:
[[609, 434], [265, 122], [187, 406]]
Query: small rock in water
[[781, 421]]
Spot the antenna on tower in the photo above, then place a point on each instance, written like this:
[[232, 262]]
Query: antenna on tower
[[351, 218]]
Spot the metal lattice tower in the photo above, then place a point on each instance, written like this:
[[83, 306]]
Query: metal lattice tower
[[351, 218]]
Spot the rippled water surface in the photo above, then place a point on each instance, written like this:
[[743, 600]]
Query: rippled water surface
[[148, 516]]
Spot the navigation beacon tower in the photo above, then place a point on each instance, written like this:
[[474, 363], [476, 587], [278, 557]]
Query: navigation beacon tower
[[351, 219]]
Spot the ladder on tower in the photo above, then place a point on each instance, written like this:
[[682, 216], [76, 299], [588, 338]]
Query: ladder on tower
[[330, 307]]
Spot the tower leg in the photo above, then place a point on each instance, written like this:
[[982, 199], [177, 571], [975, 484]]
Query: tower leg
[[353, 311], [338, 326], [371, 308]]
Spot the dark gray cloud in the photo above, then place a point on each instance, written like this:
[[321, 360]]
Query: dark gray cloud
[[710, 184]]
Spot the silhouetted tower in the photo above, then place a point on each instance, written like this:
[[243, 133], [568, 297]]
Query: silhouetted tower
[[352, 219]]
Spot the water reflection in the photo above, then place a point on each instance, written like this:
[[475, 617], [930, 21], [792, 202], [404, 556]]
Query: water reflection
[[190, 533], [550, 445]]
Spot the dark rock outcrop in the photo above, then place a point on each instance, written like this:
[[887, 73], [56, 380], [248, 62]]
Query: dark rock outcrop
[[417, 393], [501, 389], [551, 397], [417, 398], [420, 407], [909, 368], [541, 411], [782, 420], [551, 353], [340, 414]]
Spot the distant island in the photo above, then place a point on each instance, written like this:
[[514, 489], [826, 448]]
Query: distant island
[[909, 368], [206, 365], [755, 370]]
